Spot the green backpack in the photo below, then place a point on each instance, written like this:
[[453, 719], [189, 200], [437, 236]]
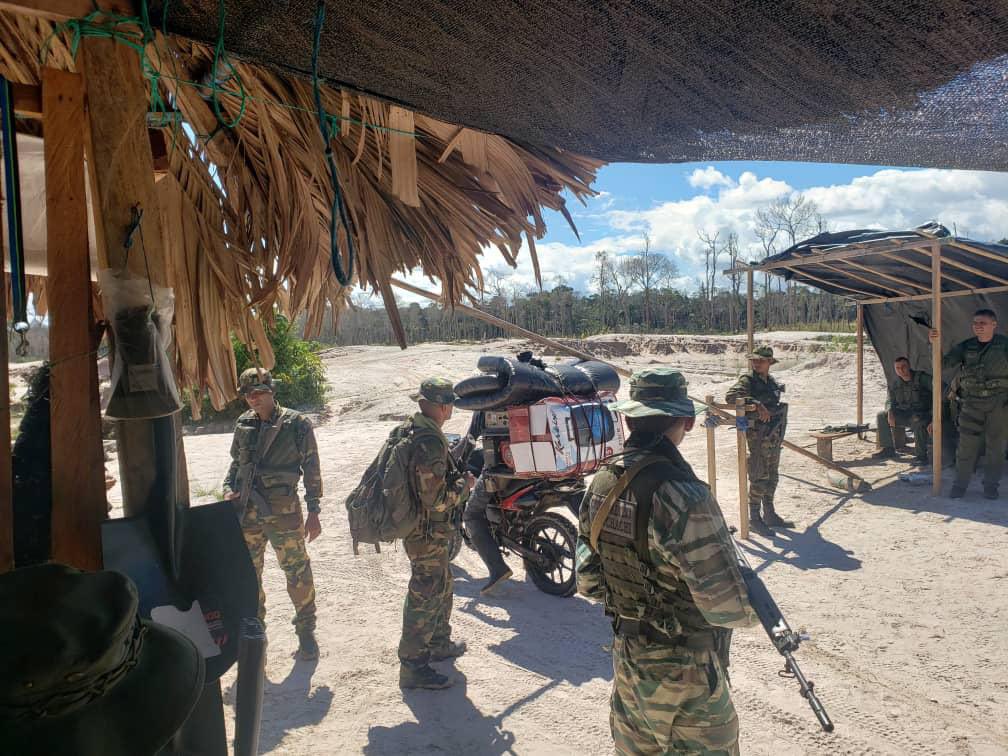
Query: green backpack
[[382, 506]]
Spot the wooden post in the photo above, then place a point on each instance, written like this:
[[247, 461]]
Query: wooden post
[[743, 471], [78, 480], [750, 309], [6, 477], [860, 367], [122, 175], [711, 453], [936, 371]]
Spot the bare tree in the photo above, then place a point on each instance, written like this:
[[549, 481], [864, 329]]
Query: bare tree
[[712, 251], [650, 271]]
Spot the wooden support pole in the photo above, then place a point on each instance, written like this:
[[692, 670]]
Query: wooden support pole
[[937, 393], [711, 453], [78, 480], [564, 349], [860, 367], [743, 470], [750, 322]]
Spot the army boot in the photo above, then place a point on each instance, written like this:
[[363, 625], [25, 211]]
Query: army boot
[[771, 518], [990, 492], [451, 650], [486, 546], [424, 676], [957, 491], [756, 524], [307, 645]]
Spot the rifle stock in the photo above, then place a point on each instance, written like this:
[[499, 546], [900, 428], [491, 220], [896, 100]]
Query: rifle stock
[[784, 639]]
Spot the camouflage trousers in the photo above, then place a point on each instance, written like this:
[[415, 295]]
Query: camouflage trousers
[[428, 606], [764, 459], [286, 534], [890, 437], [669, 700], [983, 427]]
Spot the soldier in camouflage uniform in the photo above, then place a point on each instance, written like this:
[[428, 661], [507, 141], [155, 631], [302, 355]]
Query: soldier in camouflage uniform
[[982, 364], [272, 448], [908, 403], [436, 487], [654, 547], [764, 437]]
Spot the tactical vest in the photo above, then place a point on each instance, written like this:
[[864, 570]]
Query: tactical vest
[[909, 396], [633, 589], [276, 483], [768, 392], [984, 368]]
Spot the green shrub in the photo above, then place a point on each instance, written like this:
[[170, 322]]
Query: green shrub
[[298, 373]]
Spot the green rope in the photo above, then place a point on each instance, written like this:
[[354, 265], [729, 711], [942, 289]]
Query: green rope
[[220, 59]]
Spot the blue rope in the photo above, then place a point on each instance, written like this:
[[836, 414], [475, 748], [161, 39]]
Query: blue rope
[[15, 236], [338, 209], [742, 423]]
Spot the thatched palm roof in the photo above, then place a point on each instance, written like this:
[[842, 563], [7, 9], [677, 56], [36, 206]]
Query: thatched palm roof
[[421, 192]]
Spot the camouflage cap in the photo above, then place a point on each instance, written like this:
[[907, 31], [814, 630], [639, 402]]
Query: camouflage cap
[[762, 353], [255, 379], [438, 390], [657, 391]]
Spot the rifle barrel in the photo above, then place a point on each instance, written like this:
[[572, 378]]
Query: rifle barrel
[[808, 693]]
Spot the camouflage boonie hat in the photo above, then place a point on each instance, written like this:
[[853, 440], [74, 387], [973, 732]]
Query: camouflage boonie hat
[[437, 390], [657, 391], [762, 353], [255, 379]]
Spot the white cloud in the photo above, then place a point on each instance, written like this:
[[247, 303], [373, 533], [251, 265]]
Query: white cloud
[[705, 178]]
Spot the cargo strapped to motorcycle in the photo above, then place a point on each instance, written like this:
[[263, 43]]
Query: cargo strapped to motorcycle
[[598, 522]]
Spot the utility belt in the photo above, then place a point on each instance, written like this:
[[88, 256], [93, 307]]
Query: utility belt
[[641, 629], [448, 516]]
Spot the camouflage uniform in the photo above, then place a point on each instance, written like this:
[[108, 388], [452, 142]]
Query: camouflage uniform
[[665, 567], [272, 511], [910, 403], [435, 489], [983, 410], [764, 439]]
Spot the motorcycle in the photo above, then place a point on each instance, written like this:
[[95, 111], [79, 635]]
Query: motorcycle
[[525, 519]]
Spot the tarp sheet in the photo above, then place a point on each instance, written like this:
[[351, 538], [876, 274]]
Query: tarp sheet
[[889, 82]]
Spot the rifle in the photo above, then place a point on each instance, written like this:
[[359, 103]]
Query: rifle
[[785, 640]]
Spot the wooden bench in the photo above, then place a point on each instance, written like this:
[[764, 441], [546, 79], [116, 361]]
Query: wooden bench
[[824, 442]]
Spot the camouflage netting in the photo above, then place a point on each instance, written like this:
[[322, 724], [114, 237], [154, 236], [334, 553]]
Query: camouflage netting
[[891, 82]]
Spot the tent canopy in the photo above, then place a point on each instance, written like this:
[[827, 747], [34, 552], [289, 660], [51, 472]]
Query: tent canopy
[[861, 81]]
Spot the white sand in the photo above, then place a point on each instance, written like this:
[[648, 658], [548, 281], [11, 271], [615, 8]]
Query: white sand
[[904, 594]]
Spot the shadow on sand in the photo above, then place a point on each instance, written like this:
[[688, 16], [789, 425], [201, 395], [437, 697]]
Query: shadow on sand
[[289, 704]]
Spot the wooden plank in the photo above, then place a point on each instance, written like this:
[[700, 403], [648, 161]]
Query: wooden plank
[[848, 252], [944, 295], [936, 370], [743, 471], [824, 448], [806, 274], [61, 10], [78, 481], [896, 279], [711, 453], [122, 176], [860, 367], [27, 100], [963, 266], [927, 269], [977, 251], [847, 274]]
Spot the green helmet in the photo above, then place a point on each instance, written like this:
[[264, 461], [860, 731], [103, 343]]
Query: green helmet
[[255, 379], [657, 391], [762, 353], [438, 390]]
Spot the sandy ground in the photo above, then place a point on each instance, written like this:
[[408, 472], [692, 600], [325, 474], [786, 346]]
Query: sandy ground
[[904, 594]]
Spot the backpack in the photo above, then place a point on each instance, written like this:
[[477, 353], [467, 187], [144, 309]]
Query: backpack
[[382, 507]]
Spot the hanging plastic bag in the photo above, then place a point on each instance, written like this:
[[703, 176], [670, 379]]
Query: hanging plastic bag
[[140, 314]]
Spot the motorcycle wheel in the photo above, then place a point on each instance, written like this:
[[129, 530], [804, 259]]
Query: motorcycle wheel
[[555, 538]]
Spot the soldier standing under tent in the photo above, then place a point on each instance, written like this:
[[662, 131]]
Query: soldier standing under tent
[[765, 435], [436, 488], [654, 547], [982, 364], [272, 448], [908, 403]]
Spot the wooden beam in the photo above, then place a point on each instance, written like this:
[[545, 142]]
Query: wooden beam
[[848, 252], [743, 470], [856, 277], [927, 269], [937, 391], [711, 452], [27, 100], [977, 251], [963, 266], [806, 274], [78, 480], [860, 365], [750, 310], [896, 279], [944, 295], [6, 476], [61, 10]]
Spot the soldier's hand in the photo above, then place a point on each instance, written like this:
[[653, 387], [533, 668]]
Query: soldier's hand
[[930, 429], [312, 526], [470, 481], [231, 495], [892, 419], [933, 336], [762, 412]]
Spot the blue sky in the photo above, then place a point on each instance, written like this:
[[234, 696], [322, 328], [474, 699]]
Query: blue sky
[[672, 202]]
